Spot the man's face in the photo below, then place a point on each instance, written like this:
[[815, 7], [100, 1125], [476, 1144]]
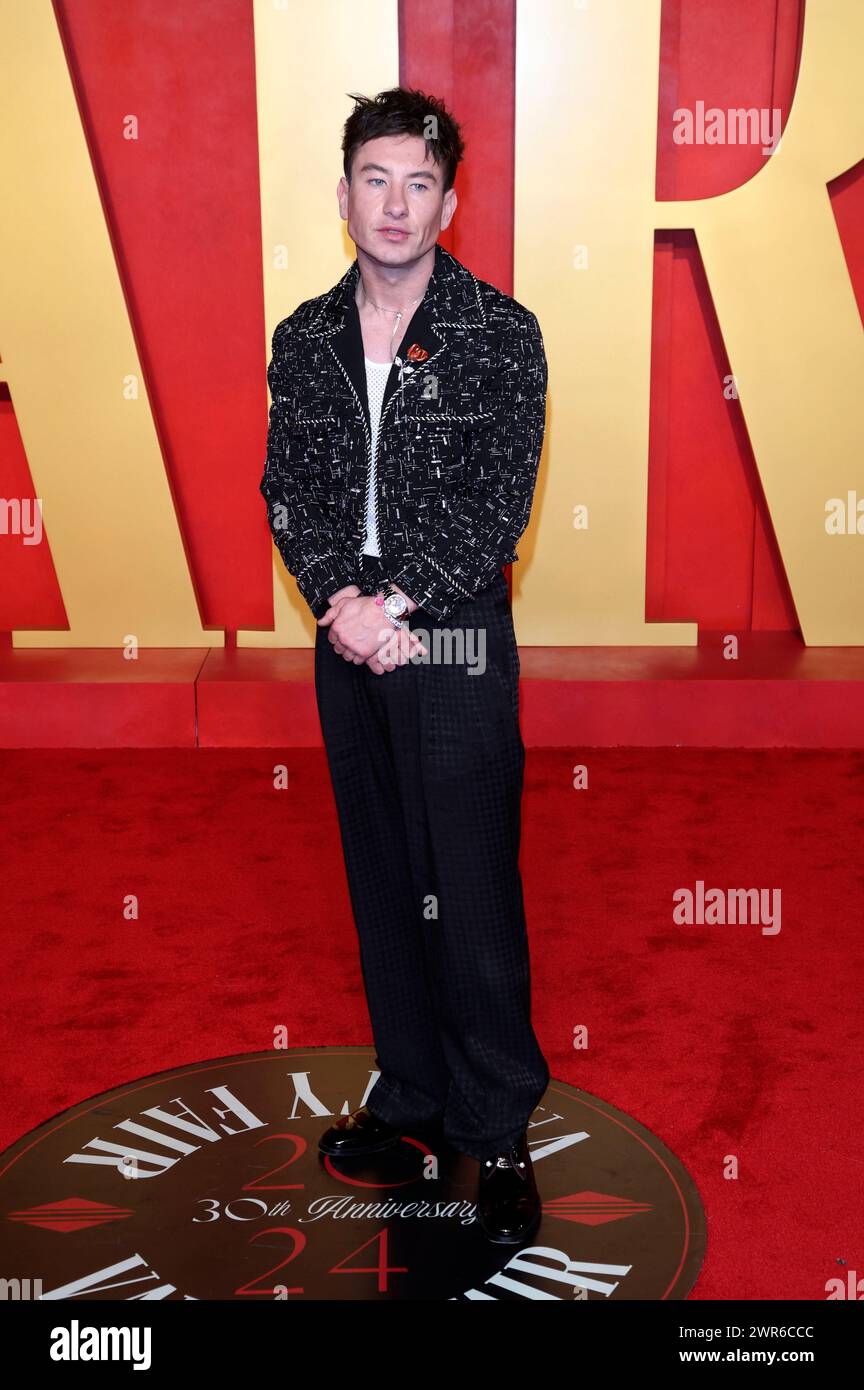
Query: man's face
[[395, 204]]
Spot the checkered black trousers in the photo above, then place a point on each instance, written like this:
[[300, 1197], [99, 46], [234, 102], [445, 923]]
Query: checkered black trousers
[[427, 764]]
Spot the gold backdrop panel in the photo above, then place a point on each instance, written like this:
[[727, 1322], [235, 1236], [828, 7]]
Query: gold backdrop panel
[[74, 376], [585, 220], [307, 58]]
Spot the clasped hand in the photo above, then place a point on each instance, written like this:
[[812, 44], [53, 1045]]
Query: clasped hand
[[360, 633]]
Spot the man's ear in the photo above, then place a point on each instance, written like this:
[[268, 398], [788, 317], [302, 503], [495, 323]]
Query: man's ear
[[448, 207], [342, 196]]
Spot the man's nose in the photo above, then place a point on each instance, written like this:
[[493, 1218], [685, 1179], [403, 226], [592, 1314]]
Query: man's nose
[[395, 204]]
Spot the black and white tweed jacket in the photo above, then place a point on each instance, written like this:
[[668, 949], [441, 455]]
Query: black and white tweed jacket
[[462, 427]]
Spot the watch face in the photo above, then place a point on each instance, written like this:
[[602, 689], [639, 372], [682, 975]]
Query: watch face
[[395, 605]]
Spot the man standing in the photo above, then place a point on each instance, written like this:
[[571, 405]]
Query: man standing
[[406, 425]]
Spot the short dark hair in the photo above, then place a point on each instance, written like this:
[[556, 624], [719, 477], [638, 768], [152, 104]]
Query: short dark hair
[[404, 111]]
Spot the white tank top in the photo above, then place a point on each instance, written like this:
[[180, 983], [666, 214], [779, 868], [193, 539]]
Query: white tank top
[[376, 380]]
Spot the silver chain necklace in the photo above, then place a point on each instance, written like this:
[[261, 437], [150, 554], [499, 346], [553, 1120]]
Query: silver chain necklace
[[398, 312]]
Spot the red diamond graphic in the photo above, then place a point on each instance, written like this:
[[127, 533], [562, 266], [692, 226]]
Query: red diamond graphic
[[72, 1214], [593, 1208]]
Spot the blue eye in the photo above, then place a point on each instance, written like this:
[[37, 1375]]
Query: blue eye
[[422, 186]]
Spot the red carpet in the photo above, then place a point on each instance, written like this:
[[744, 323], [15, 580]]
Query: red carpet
[[722, 1040]]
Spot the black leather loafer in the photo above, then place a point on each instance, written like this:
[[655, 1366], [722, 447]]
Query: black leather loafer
[[508, 1203], [361, 1132]]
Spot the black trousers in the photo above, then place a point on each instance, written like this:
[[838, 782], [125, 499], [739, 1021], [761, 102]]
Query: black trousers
[[427, 763]]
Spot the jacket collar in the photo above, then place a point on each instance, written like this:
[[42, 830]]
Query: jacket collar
[[451, 301]]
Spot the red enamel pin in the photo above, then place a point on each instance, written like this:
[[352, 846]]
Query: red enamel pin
[[416, 353]]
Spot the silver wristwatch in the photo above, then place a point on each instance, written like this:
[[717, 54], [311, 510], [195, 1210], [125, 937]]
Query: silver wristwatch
[[395, 605]]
